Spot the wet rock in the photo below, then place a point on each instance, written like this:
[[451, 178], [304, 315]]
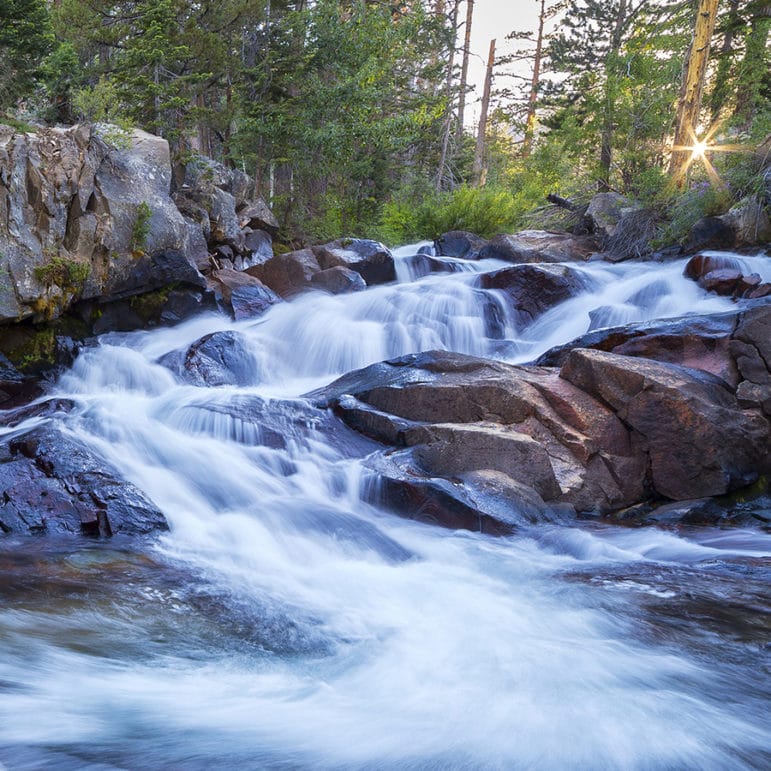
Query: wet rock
[[530, 246], [697, 438], [54, 484], [338, 280], [534, 289], [459, 244], [370, 259], [258, 245], [243, 295], [701, 264], [220, 358], [14, 386], [699, 342], [287, 274]]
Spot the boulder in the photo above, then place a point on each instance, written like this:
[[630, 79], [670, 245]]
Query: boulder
[[54, 484], [605, 213], [85, 213], [530, 246], [256, 214], [700, 342], [287, 274], [220, 358], [701, 264], [697, 438], [459, 244], [338, 280], [710, 233], [749, 221], [243, 295], [225, 226], [370, 259], [258, 246], [534, 289]]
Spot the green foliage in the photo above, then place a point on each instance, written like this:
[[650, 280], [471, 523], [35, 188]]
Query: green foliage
[[701, 199], [484, 211], [97, 103], [25, 39], [141, 228], [64, 273], [61, 74]]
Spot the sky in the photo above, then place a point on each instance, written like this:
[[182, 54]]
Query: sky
[[494, 19]]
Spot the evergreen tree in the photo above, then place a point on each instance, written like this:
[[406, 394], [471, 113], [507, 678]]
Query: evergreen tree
[[25, 39]]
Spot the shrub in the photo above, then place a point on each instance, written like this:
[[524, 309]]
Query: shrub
[[64, 273], [141, 228]]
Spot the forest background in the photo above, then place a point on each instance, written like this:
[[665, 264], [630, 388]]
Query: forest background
[[352, 117]]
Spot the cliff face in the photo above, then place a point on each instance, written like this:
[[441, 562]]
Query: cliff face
[[86, 213]]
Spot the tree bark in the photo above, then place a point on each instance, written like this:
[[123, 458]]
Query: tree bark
[[527, 143], [447, 127], [464, 71], [691, 91], [478, 172]]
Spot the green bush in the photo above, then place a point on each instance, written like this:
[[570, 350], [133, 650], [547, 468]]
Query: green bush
[[484, 211], [141, 228], [64, 273]]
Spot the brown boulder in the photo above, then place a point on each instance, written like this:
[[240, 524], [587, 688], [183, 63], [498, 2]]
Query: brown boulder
[[697, 438], [534, 289], [530, 246], [287, 274], [370, 259]]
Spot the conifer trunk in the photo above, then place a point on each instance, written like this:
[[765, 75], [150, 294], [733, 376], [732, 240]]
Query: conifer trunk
[[527, 144], [692, 89], [479, 154], [464, 71]]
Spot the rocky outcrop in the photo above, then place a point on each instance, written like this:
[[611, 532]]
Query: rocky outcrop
[[534, 289], [54, 484], [86, 214], [539, 246], [723, 274], [600, 434], [370, 259]]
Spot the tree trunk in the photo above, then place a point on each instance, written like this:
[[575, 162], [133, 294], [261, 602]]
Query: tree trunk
[[527, 144], [464, 71], [447, 127], [479, 154], [692, 89], [609, 101]]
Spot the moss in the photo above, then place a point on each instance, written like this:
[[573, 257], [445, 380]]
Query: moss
[[141, 229], [150, 306], [32, 348], [66, 274]]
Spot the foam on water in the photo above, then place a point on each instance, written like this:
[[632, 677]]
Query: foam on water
[[340, 636]]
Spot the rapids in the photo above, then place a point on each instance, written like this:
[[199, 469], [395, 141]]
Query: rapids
[[283, 623]]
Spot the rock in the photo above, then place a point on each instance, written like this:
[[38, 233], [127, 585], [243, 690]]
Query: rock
[[698, 440], [459, 244], [244, 295], [724, 281], [605, 212], [54, 484], [530, 246], [225, 226], [258, 246], [220, 358], [525, 422], [534, 289], [751, 349], [287, 274], [257, 214], [15, 387], [710, 233], [701, 264], [700, 342], [370, 259], [338, 280], [749, 221]]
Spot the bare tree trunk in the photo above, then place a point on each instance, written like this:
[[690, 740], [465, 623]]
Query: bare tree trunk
[[447, 128], [464, 71], [527, 144], [692, 89], [478, 172]]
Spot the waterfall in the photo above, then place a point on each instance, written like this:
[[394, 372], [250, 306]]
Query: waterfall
[[284, 623]]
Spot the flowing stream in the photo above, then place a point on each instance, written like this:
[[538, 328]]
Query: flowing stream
[[284, 623]]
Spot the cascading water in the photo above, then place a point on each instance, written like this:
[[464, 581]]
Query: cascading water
[[284, 623]]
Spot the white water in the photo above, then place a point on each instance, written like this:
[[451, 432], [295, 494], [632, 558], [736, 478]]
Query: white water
[[335, 635]]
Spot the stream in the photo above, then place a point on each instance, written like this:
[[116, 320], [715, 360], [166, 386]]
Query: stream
[[283, 623]]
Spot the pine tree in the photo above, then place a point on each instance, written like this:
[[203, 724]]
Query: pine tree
[[25, 39]]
